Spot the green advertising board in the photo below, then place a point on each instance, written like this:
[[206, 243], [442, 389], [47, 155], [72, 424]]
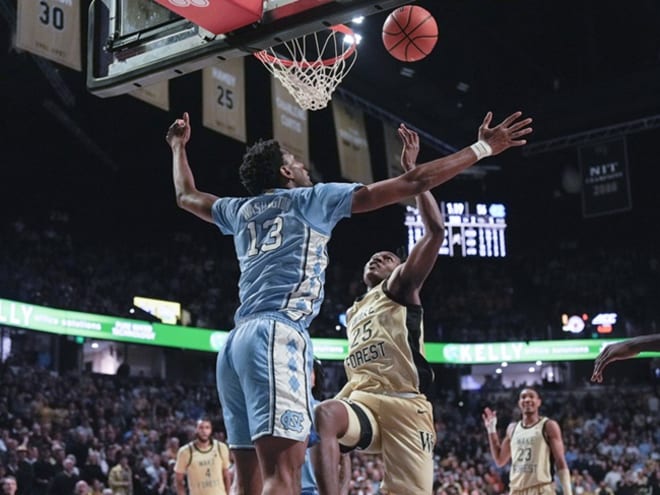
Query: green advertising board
[[93, 326]]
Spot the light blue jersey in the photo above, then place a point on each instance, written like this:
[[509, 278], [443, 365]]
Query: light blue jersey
[[263, 368], [280, 239]]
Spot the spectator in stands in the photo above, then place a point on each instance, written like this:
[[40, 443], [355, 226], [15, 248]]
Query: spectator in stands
[[64, 481], [25, 471], [44, 471], [9, 486], [82, 488], [92, 469], [120, 477]]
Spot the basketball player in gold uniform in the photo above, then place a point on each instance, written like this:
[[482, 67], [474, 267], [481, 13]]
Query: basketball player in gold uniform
[[204, 462], [532, 444], [383, 409]]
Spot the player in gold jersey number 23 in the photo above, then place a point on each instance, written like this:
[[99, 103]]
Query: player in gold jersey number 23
[[530, 444]]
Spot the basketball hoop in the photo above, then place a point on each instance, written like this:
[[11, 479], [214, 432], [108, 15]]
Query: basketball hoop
[[314, 67]]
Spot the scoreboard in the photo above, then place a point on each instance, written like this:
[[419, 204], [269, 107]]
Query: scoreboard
[[471, 229]]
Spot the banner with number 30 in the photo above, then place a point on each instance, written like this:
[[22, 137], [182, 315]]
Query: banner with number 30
[[50, 29]]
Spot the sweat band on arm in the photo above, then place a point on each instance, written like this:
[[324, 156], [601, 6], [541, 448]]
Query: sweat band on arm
[[482, 149], [491, 425]]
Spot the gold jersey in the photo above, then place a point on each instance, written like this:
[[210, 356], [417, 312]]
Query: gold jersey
[[203, 468], [386, 346], [531, 458]]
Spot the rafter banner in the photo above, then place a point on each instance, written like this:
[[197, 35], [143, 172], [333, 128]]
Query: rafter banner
[[50, 29]]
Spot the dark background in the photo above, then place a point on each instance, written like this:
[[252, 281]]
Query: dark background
[[573, 66]]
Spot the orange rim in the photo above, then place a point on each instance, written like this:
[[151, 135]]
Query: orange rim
[[268, 58]]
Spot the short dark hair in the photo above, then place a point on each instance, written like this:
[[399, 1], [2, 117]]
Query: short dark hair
[[205, 419], [260, 169], [531, 389]]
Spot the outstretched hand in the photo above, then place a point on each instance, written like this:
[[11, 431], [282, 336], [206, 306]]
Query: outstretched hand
[[490, 420], [410, 147], [179, 132], [507, 134], [611, 353]]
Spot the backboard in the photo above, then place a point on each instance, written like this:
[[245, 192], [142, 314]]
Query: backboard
[[135, 43]]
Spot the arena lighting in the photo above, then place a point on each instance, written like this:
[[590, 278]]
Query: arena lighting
[[102, 327], [531, 369], [165, 311]]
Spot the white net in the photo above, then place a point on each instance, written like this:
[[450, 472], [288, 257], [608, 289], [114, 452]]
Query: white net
[[314, 66]]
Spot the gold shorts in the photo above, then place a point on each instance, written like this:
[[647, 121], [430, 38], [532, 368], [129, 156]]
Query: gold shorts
[[401, 430], [544, 489]]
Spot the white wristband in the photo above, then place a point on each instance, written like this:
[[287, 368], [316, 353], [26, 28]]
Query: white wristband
[[482, 149], [491, 426]]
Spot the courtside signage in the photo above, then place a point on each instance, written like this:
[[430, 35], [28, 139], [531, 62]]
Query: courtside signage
[[93, 326], [102, 327]]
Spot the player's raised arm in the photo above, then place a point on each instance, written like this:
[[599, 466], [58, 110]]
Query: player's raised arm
[[188, 196], [500, 450], [624, 350], [406, 282], [491, 141]]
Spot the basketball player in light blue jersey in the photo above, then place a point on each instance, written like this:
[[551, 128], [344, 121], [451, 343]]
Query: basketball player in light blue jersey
[[280, 236]]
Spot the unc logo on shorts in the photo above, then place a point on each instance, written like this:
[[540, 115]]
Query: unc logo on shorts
[[292, 420]]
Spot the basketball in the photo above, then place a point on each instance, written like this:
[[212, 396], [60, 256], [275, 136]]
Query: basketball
[[410, 33]]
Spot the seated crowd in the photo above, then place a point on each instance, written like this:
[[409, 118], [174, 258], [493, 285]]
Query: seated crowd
[[61, 433], [473, 300], [57, 430]]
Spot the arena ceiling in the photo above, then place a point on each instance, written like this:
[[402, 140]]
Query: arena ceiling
[[572, 65]]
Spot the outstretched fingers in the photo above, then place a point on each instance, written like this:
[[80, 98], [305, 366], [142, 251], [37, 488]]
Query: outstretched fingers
[[599, 366], [520, 124], [518, 129], [515, 136], [487, 120], [511, 119]]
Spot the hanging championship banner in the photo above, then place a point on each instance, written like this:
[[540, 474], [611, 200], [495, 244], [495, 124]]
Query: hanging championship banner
[[157, 95], [605, 179], [351, 133], [393, 147], [223, 102], [50, 29], [289, 122]]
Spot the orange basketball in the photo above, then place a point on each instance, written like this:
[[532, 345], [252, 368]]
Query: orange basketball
[[410, 33]]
